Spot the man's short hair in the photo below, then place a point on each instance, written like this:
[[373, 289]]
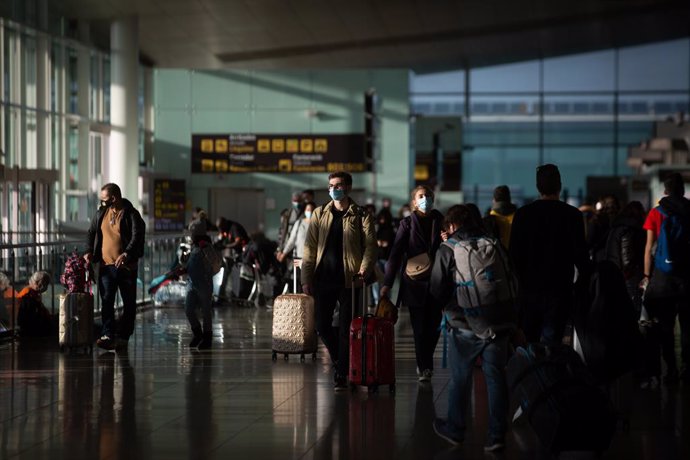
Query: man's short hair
[[674, 185], [113, 190], [502, 193], [346, 177], [461, 216], [548, 179]]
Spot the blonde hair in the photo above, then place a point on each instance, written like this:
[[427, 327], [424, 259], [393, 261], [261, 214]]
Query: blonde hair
[[428, 192]]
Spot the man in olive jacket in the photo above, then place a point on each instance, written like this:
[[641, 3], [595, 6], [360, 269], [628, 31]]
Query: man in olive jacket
[[115, 241], [341, 243]]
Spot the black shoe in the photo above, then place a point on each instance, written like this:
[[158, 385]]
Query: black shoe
[[443, 431], [340, 385], [196, 340], [494, 445], [206, 341]]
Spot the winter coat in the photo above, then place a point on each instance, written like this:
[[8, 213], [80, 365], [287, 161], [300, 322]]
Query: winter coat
[[359, 242], [132, 233], [409, 242]]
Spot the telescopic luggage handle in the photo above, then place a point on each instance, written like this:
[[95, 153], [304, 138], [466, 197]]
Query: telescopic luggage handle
[[355, 278]]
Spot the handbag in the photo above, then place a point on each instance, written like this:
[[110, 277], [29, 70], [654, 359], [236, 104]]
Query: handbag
[[386, 310], [418, 267]]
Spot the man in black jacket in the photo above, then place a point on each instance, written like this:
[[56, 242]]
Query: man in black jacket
[[116, 242], [547, 241]]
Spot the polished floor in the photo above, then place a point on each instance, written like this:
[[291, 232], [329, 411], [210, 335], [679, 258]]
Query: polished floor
[[161, 401]]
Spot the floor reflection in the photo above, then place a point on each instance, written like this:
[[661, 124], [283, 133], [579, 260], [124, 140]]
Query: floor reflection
[[160, 401]]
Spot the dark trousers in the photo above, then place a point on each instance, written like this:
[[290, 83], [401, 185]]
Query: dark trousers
[[110, 279], [425, 320], [336, 340], [668, 296], [545, 316]]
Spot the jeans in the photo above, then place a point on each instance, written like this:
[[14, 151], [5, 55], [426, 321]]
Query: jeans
[[203, 299], [336, 340], [464, 347], [110, 279]]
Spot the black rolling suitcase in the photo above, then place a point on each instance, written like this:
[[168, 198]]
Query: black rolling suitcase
[[556, 393]]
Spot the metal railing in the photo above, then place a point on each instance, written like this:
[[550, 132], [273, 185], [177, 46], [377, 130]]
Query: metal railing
[[20, 261]]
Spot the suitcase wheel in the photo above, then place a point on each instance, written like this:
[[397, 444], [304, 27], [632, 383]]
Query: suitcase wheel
[[391, 388], [286, 357], [313, 356], [301, 358], [373, 389], [274, 357]]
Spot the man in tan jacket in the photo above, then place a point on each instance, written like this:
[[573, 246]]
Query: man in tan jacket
[[341, 243]]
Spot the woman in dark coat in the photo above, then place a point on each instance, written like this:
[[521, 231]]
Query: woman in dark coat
[[418, 234]]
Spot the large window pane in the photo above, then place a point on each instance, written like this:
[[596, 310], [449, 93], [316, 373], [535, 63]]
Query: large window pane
[[437, 105], [486, 167], [581, 72], [660, 66], [634, 132], [576, 163], [578, 132], [480, 134], [523, 76], [440, 82]]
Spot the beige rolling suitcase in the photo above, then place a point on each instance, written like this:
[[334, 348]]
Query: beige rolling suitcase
[[294, 325], [76, 321]]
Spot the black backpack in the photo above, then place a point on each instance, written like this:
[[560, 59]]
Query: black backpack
[[606, 324]]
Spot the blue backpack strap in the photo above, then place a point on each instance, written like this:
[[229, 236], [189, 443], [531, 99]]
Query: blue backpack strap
[[444, 328]]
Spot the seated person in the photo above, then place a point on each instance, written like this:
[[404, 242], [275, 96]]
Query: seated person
[[34, 319]]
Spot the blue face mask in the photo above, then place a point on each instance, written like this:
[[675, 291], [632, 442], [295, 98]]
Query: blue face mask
[[425, 204], [307, 214], [337, 194]]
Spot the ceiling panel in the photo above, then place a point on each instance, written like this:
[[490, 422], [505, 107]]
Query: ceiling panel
[[417, 34]]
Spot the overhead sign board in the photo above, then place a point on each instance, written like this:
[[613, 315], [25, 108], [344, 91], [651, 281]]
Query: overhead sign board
[[278, 153]]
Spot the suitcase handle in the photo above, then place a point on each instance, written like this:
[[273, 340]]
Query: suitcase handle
[[355, 278]]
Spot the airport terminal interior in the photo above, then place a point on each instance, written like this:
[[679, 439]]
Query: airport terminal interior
[[233, 106]]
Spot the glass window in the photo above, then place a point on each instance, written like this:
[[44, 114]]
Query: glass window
[[486, 167], [440, 82], [72, 80], [523, 76], [576, 163], [659, 66], [29, 77], [581, 72], [578, 132], [500, 133]]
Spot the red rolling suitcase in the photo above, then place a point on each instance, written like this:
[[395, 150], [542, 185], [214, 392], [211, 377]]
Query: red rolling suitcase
[[372, 350]]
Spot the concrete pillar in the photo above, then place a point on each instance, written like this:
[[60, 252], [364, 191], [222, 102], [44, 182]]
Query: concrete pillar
[[123, 156]]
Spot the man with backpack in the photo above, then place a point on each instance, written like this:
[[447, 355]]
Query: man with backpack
[[667, 273], [472, 279]]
